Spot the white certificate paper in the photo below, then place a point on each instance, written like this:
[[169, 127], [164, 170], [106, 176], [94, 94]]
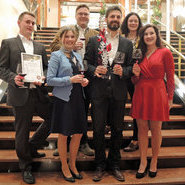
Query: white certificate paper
[[32, 67]]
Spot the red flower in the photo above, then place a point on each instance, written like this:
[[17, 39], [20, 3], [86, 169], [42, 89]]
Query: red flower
[[108, 47]]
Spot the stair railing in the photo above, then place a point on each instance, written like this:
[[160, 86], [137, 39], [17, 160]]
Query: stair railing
[[179, 55], [180, 38], [180, 86]]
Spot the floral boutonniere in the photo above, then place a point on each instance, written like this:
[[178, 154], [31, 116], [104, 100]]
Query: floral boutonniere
[[103, 49]]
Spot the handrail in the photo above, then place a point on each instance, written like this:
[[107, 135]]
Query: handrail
[[180, 87], [181, 56], [173, 49], [178, 35]]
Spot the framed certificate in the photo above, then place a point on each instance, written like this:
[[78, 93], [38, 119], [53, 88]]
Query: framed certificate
[[32, 67]]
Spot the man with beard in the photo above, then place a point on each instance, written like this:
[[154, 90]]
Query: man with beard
[[108, 89]]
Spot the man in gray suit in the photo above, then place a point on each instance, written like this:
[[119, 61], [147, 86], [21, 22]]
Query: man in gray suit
[[25, 101]]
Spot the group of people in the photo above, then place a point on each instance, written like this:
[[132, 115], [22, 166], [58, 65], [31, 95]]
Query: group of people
[[111, 72]]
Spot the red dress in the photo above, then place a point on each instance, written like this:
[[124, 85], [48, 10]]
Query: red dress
[[151, 95]]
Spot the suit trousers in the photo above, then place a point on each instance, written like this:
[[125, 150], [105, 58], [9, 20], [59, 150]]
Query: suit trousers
[[115, 108], [23, 120], [84, 138]]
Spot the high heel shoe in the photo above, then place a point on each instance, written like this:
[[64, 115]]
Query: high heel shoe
[[76, 176], [152, 174], [69, 179], [141, 175]]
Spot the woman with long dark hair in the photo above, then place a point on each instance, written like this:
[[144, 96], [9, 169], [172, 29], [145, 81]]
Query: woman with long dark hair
[[152, 99], [130, 28]]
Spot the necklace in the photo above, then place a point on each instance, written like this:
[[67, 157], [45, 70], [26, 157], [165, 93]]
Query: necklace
[[132, 37]]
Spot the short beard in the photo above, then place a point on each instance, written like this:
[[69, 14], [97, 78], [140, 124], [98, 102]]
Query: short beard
[[113, 28]]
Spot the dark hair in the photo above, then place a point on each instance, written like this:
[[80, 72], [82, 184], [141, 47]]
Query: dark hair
[[142, 44], [81, 6], [112, 8], [124, 26], [25, 13]]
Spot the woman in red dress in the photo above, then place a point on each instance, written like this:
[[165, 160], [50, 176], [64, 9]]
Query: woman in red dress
[[152, 99]]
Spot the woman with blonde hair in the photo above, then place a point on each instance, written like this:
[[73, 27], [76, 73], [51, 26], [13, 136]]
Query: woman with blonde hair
[[68, 116]]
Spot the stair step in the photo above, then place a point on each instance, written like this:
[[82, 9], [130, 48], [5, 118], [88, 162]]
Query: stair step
[[169, 176], [45, 34], [9, 156], [9, 119], [127, 134], [165, 152], [127, 105]]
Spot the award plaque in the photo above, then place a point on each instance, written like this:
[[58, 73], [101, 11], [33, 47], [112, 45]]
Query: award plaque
[[32, 67]]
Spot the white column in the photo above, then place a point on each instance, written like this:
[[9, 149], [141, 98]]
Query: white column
[[126, 7], [148, 16], [135, 7], [168, 21]]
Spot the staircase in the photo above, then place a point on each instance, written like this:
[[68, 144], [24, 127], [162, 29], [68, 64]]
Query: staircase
[[171, 157], [174, 41], [47, 170]]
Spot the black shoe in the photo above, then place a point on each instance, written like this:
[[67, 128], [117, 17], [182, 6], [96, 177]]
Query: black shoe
[[69, 179], [117, 174], [28, 176], [36, 154], [86, 150], [131, 147], [76, 176], [141, 175], [98, 174], [152, 174], [55, 153]]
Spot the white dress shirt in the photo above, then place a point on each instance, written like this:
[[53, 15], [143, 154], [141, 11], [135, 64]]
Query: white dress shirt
[[114, 45], [28, 46]]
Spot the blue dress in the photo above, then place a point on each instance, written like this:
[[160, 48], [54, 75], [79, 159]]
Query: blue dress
[[69, 118]]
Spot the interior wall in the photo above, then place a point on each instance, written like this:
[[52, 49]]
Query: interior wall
[[52, 13], [9, 12]]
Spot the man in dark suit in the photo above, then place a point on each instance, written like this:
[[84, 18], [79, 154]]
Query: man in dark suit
[[25, 101], [108, 89]]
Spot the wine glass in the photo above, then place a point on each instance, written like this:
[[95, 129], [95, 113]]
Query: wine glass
[[119, 58], [137, 54], [19, 72], [82, 67], [81, 37]]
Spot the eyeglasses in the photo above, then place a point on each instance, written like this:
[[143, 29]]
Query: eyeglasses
[[85, 14]]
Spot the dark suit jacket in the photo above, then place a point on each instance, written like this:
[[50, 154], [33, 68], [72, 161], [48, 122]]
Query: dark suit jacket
[[10, 56], [100, 87]]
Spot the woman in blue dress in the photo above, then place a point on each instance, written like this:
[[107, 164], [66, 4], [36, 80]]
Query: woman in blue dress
[[68, 116]]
